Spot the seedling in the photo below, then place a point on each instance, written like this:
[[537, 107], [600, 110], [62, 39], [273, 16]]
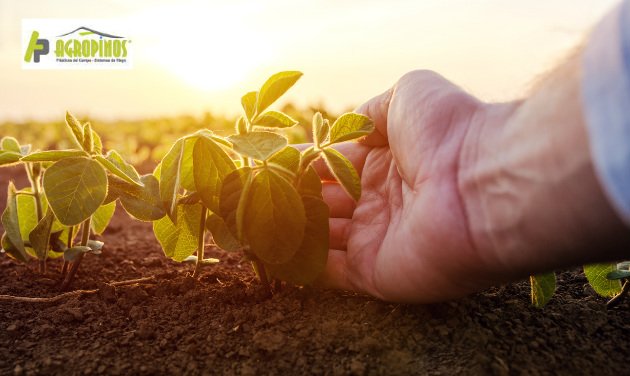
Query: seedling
[[71, 191], [253, 192], [608, 280]]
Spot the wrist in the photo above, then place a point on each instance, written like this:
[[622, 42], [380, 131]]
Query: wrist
[[479, 170], [529, 188]]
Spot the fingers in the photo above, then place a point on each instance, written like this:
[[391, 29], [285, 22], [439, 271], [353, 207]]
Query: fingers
[[340, 204], [336, 275], [377, 109], [339, 231]]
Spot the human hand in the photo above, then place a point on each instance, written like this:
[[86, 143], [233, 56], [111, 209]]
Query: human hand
[[407, 239], [459, 195]]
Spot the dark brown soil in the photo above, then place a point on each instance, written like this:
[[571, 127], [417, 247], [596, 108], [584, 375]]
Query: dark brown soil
[[223, 324]]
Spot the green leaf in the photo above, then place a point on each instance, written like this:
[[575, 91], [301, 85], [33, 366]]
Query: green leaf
[[240, 127], [102, 216], [310, 259], [189, 199], [76, 130], [289, 158], [344, 172], [274, 119], [211, 165], [10, 221], [596, 275], [320, 128], [98, 144], [157, 171], [310, 183], [57, 245], [27, 213], [350, 126], [75, 188], [114, 157], [170, 178], [142, 203], [187, 172], [248, 101], [179, 240], [259, 145], [231, 193], [8, 158], [53, 155], [88, 141], [7, 247], [115, 164], [40, 235], [221, 234], [543, 286], [10, 144], [274, 218], [274, 87], [71, 254]]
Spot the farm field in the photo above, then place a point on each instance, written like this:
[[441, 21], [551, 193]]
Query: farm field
[[314, 188], [223, 322]]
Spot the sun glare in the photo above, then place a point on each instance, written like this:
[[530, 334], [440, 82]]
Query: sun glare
[[210, 50]]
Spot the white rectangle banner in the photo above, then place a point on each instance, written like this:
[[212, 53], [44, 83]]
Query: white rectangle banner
[[76, 44]]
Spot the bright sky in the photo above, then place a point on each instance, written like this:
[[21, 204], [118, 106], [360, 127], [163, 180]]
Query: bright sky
[[348, 50]]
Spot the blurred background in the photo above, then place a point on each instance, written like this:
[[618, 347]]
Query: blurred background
[[348, 50]]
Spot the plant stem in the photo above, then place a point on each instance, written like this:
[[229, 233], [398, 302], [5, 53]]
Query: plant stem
[[277, 285], [304, 164], [619, 297], [85, 236], [70, 237], [36, 188], [202, 242], [262, 274], [34, 179], [64, 268]]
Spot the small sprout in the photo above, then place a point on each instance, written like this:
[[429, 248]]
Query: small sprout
[[543, 287]]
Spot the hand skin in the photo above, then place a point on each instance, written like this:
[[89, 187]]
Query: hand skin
[[460, 195]]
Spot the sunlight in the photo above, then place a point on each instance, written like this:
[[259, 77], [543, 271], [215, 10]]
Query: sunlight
[[211, 49]]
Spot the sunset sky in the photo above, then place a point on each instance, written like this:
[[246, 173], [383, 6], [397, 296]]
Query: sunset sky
[[194, 56]]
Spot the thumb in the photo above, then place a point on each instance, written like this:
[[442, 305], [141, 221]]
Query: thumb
[[377, 109]]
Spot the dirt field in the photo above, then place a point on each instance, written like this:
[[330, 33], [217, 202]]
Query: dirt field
[[223, 323]]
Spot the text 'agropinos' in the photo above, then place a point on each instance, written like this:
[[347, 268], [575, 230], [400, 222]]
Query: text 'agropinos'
[[90, 48]]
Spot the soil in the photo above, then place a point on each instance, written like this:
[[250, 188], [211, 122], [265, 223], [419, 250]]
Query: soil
[[223, 323]]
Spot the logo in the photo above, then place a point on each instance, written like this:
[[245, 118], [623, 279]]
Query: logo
[[49, 45], [36, 47]]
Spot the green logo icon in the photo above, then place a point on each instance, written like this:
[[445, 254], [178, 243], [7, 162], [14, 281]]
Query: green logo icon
[[36, 47]]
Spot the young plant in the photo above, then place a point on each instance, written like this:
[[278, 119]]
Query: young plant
[[609, 280], [71, 191], [253, 192]]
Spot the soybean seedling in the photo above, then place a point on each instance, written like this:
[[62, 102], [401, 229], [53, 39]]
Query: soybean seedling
[[72, 191], [255, 193], [609, 280]]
